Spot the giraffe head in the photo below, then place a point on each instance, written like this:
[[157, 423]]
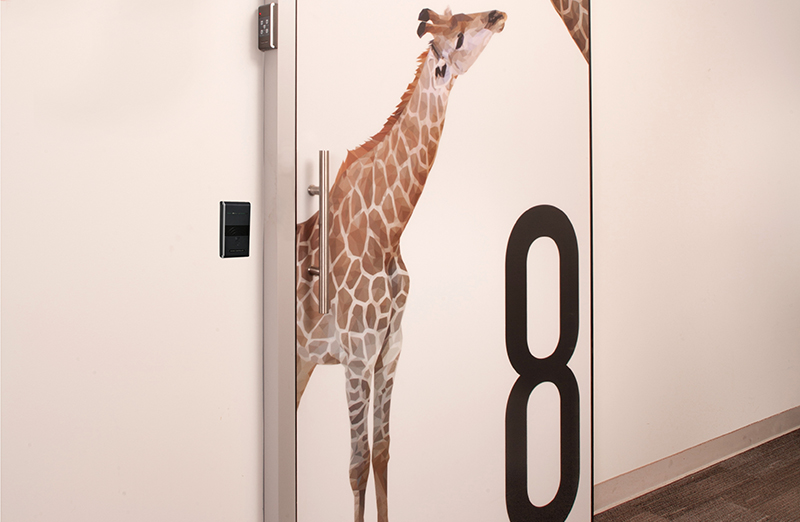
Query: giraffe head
[[459, 39]]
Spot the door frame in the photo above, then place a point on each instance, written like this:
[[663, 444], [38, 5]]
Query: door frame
[[279, 271]]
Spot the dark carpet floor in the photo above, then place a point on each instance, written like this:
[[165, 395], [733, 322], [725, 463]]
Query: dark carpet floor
[[761, 484]]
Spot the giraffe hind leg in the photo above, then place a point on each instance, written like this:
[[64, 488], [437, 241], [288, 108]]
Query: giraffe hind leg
[[358, 392], [385, 369], [384, 382]]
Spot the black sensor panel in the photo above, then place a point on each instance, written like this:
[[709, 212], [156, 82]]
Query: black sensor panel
[[234, 229]]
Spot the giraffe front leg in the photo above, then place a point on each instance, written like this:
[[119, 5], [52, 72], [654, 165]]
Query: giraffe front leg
[[384, 382], [358, 391]]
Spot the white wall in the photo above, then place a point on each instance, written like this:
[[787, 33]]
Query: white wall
[[131, 353], [696, 222]]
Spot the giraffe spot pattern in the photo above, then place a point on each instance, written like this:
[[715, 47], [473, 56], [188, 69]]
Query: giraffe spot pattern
[[361, 290], [366, 185], [422, 114], [344, 309], [378, 288], [372, 262], [380, 182], [391, 174], [357, 324], [372, 316], [388, 210]]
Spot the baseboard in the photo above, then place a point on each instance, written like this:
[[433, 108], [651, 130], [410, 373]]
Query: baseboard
[[635, 483]]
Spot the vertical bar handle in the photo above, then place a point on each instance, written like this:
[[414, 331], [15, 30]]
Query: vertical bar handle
[[323, 271], [324, 234]]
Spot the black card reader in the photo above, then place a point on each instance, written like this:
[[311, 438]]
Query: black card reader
[[234, 229]]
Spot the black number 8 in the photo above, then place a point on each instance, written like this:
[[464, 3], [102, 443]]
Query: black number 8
[[541, 221]]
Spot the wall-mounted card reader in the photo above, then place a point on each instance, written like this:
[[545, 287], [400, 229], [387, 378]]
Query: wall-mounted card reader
[[234, 229], [267, 26]]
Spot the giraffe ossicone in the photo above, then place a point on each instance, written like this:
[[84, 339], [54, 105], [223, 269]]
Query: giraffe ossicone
[[371, 200]]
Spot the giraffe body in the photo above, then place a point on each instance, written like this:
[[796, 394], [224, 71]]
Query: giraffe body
[[371, 201]]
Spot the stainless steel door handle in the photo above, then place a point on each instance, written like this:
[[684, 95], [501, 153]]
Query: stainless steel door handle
[[323, 270]]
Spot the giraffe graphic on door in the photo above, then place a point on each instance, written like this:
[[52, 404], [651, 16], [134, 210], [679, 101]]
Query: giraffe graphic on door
[[371, 201]]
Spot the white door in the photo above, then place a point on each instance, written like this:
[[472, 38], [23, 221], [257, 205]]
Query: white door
[[131, 352], [516, 137]]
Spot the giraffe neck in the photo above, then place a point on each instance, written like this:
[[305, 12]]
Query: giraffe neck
[[419, 127], [389, 171], [575, 14]]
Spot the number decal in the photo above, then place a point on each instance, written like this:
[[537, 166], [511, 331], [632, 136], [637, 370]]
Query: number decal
[[541, 221]]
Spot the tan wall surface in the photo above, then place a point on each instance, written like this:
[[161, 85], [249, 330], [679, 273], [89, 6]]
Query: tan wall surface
[[131, 353], [697, 223]]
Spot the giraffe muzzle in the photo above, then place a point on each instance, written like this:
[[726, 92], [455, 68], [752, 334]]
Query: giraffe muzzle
[[496, 21]]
